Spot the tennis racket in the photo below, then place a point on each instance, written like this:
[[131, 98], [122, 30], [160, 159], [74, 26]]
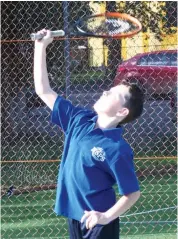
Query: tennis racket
[[107, 25]]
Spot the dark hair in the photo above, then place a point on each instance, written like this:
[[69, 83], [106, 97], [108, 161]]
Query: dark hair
[[134, 102]]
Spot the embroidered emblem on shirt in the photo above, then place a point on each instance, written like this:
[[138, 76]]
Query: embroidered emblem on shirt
[[98, 153]]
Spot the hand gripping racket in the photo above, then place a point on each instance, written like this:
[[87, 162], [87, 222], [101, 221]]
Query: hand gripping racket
[[106, 25]]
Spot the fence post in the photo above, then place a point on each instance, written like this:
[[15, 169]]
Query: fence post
[[66, 48]]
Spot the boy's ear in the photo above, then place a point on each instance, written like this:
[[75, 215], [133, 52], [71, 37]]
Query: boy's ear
[[123, 112]]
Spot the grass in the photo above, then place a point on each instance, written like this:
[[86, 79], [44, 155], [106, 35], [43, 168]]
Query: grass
[[31, 215], [151, 236]]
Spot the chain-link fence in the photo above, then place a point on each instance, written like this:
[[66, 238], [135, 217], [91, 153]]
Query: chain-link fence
[[80, 69]]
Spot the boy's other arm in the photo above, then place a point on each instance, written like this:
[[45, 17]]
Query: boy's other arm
[[41, 80], [92, 218]]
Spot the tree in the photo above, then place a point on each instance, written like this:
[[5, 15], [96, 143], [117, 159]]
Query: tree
[[150, 14]]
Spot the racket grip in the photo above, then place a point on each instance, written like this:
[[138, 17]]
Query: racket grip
[[39, 36]]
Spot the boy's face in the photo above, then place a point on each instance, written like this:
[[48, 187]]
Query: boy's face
[[111, 103]]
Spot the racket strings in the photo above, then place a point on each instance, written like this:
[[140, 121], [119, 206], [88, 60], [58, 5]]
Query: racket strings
[[116, 26], [108, 26]]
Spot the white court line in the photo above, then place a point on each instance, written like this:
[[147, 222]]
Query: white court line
[[151, 222], [62, 237], [140, 213]]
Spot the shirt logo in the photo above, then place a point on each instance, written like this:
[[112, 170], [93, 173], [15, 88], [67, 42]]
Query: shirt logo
[[98, 153]]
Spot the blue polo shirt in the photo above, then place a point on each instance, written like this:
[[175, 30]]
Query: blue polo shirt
[[93, 161]]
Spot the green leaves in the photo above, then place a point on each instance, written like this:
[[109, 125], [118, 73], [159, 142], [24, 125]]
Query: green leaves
[[153, 16]]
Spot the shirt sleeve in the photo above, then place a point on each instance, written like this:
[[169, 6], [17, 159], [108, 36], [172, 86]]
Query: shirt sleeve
[[124, 173], [63, 112]]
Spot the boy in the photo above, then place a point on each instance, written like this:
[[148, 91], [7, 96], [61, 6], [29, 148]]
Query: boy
[[95, 155]]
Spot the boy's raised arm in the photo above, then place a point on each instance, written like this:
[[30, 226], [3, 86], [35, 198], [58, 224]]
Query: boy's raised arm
[[42, 86]]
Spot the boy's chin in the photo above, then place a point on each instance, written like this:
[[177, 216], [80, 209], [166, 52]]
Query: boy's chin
[[96, 108]]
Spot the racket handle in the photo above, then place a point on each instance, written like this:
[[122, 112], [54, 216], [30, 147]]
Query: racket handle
[[39, 36]]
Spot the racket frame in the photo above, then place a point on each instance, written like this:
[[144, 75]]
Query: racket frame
[[118, 15], [77, 31]]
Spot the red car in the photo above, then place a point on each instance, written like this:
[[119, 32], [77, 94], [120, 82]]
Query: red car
[[155, 72]]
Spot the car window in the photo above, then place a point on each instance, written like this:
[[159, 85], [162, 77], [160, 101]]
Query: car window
[[154, 60], [165, 59], [143, 61], [159, 59], [174, 59]]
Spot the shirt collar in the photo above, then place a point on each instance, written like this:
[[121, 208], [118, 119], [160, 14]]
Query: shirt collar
[[113, 133]]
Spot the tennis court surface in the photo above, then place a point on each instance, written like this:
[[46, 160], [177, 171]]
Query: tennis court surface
[[31, 215]]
